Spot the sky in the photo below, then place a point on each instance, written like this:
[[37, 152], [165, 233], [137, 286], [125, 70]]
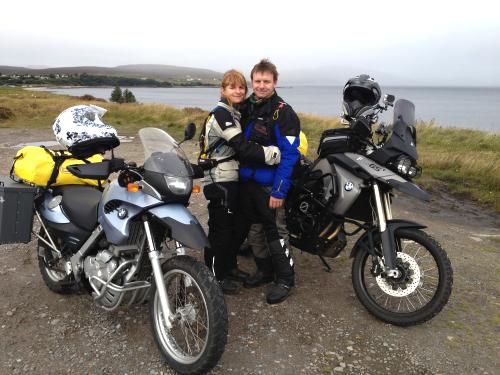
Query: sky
[[405, 42]]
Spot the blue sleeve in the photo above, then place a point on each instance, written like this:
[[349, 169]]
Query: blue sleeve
[[287, 135]]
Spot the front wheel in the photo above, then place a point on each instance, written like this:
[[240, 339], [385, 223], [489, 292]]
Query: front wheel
[[196, 340], [423, 288]]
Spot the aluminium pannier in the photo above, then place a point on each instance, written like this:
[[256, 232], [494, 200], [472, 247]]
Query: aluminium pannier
[[16, 211]]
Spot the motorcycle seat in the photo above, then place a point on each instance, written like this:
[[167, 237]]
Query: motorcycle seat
[[80, 203]]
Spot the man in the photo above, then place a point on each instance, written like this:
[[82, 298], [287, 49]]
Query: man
[[268, 121]]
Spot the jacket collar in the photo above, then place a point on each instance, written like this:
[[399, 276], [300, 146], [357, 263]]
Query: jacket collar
[[233, 111]]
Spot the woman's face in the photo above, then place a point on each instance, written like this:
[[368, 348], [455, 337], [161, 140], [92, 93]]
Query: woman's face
[[234, 93]]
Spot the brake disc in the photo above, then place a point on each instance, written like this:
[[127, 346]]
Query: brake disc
[[410, 285]]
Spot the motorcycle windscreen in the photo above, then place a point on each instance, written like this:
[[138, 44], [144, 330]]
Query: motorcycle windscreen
[[404, 110], [163, 155]]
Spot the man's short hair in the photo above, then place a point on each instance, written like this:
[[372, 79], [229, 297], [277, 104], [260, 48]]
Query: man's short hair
[[265, 66]]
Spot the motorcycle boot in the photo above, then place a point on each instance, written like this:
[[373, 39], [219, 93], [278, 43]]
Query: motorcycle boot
[[235, 274], [283, 268], [228, 287], [263, 275]]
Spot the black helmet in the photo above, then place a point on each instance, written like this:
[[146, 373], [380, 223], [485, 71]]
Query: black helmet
[[360, 94]]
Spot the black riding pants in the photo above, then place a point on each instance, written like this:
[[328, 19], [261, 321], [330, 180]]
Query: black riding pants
[[254, 208], [223, 203]]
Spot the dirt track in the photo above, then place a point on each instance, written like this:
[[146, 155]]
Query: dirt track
[[321, 329]]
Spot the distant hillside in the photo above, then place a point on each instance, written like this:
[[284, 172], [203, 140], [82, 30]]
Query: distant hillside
[[158, 72]]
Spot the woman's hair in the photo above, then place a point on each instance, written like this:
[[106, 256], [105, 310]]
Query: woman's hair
[[233, 77]]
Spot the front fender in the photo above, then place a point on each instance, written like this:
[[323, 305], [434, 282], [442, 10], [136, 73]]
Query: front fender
[[184, 227], [363, 243]]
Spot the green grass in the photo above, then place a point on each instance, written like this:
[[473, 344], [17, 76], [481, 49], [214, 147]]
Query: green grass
[[35, 109], [466, 162]]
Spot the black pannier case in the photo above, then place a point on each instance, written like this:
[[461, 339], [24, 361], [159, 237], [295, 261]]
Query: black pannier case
[[16, 211]]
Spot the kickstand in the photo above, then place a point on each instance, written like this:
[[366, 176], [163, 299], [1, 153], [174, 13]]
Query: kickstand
[[325, 263]]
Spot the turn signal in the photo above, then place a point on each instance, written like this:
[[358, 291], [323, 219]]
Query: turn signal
[[196, 189], [133, 188]]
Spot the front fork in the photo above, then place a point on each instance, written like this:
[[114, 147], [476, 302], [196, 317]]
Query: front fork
[[384, 213], [155, 256]]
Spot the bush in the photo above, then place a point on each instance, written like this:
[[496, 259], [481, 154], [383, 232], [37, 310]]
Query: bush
[[91, 97], [6, 113]]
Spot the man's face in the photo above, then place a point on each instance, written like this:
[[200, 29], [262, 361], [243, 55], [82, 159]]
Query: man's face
[[263, 84]]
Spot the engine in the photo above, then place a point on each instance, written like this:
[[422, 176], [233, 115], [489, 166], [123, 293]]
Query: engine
[[102, 265], [312, 226], [99, 270]]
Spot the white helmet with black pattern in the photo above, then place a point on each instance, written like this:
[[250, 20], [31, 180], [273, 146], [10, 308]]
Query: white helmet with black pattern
[[81, 130]]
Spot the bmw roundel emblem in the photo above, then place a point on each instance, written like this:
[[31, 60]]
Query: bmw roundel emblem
[[348, 186]]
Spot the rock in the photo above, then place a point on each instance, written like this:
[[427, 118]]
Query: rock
[[338, 369]]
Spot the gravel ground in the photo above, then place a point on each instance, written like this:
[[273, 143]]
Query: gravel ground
[[320, 329]]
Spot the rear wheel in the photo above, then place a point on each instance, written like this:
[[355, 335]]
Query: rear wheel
[[53, 272], [421, 291], [196, 340]]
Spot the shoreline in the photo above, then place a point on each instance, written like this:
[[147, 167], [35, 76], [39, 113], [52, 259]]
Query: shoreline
[[179, 101]]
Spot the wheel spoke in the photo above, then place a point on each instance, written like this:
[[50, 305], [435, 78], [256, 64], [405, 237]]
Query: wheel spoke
[[431, 277], [418, 298], [195, 336], [420, 293], [427, 290], [415, 256], [428, 270]]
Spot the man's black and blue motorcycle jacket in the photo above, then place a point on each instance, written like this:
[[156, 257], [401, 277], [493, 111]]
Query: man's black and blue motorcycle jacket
[[271, 122]]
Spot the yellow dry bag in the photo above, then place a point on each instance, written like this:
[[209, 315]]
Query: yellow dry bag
[[43, 167]]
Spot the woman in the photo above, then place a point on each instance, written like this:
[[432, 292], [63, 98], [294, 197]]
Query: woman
[[222, 144]]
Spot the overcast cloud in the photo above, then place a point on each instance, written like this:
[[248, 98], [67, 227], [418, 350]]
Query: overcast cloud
[[419, 42]]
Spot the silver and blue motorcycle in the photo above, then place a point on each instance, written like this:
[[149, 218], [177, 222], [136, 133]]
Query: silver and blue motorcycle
[[126, 244]]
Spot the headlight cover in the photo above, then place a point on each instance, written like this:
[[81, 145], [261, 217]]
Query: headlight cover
[[179, 185], [405, 167]]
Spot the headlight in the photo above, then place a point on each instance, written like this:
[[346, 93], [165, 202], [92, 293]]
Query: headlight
[[179, 185], [405, 167]]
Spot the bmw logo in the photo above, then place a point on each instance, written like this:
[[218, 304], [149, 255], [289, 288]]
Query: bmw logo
[[122, 213], [348, 186]]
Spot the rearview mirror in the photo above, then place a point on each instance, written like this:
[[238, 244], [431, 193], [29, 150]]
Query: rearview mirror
[[389, 99], [190, 131]]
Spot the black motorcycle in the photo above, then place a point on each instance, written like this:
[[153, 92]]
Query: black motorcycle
[[400, 273]]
